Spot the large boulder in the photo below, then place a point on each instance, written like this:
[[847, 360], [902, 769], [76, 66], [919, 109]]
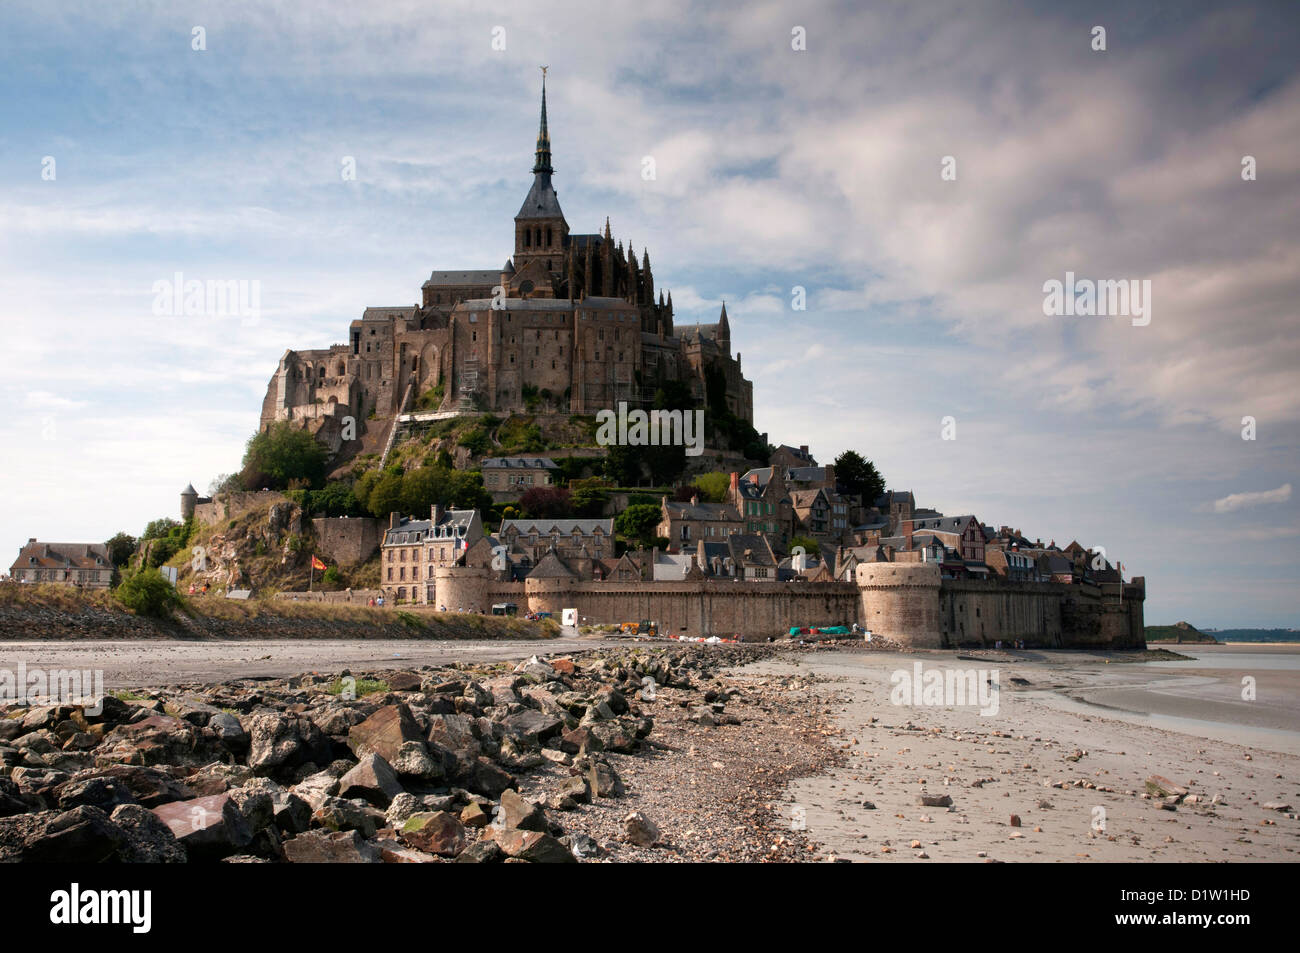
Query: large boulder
[[484, 777], [436, 832], [373, 780], [149, 786], [518, 814], [82, 835], [531, 727], [284, 741], [338, 814], [384, 733], [330, 847], [208, 827], [150, 841], [532, 846], [102, 792]]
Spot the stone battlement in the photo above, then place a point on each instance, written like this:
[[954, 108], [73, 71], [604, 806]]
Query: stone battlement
[[909, 603]]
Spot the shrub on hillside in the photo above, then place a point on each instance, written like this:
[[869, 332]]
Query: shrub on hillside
[[148, 592]]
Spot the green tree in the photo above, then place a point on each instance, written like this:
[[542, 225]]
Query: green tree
[[120, 549], [858, 476], [160, 528], [423, 487], [638, 522], [465, 490], [386, 497], [588, 499], [809, 544], [362, 488], [148, 592], [713, 487], [281, 455], [623, 465], [337, 499]]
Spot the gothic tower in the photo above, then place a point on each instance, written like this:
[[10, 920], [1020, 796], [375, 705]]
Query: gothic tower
[[540, 229]]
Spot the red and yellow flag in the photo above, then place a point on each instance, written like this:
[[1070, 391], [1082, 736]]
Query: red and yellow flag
[[316, 563]]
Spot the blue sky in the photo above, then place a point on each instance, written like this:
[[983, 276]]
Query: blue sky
[[774, 169]]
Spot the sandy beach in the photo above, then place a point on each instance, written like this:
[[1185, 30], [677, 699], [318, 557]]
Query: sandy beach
[[1073, 773]]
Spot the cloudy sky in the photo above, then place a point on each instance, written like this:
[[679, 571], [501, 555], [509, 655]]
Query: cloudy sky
[[775, 169]]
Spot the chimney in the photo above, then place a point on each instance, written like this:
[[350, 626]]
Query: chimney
[[906, 526], [735, 485], [437, 511], [803, 448], [394, 520]]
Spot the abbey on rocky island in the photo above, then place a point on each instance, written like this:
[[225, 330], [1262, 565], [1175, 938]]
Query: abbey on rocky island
[[569, 324]]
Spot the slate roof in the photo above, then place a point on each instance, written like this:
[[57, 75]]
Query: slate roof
[[796, 452], [37, 555], [520, 463], [551, 566], [750, 550], [943, 524], [541, 200], [488, 276], [802, 498], [805, 474], [587, 527], [417, 531]]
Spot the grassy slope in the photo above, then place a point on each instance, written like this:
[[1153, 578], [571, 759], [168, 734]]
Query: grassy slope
[[57, 612]]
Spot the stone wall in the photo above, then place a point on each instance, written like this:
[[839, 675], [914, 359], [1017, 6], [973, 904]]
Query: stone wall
[[229, 506], [909, 603], [709, 607], [347, 541], [1043, 614], [348, 597]]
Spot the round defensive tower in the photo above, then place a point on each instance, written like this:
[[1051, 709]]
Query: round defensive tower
[[900, 601], [462, 587], [548, 595], [189, 501]]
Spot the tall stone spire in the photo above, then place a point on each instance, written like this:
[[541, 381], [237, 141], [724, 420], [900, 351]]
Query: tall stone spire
[[543, 163]]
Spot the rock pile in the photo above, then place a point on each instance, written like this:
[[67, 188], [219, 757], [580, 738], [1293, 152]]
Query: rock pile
[[423, 770]]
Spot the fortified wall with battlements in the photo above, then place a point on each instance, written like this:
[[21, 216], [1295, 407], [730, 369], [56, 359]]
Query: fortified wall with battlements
[[908, 603]]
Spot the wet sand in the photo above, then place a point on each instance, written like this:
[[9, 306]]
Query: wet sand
[[141, 664], [1074, 773]]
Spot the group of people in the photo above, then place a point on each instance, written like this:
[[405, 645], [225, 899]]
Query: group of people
[[194, 590], [376, 602]]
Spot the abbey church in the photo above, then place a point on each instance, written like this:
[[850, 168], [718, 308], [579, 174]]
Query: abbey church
[[571, 323]]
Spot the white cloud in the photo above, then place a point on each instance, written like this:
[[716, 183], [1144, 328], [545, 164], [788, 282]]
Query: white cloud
[[1241, 501]]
